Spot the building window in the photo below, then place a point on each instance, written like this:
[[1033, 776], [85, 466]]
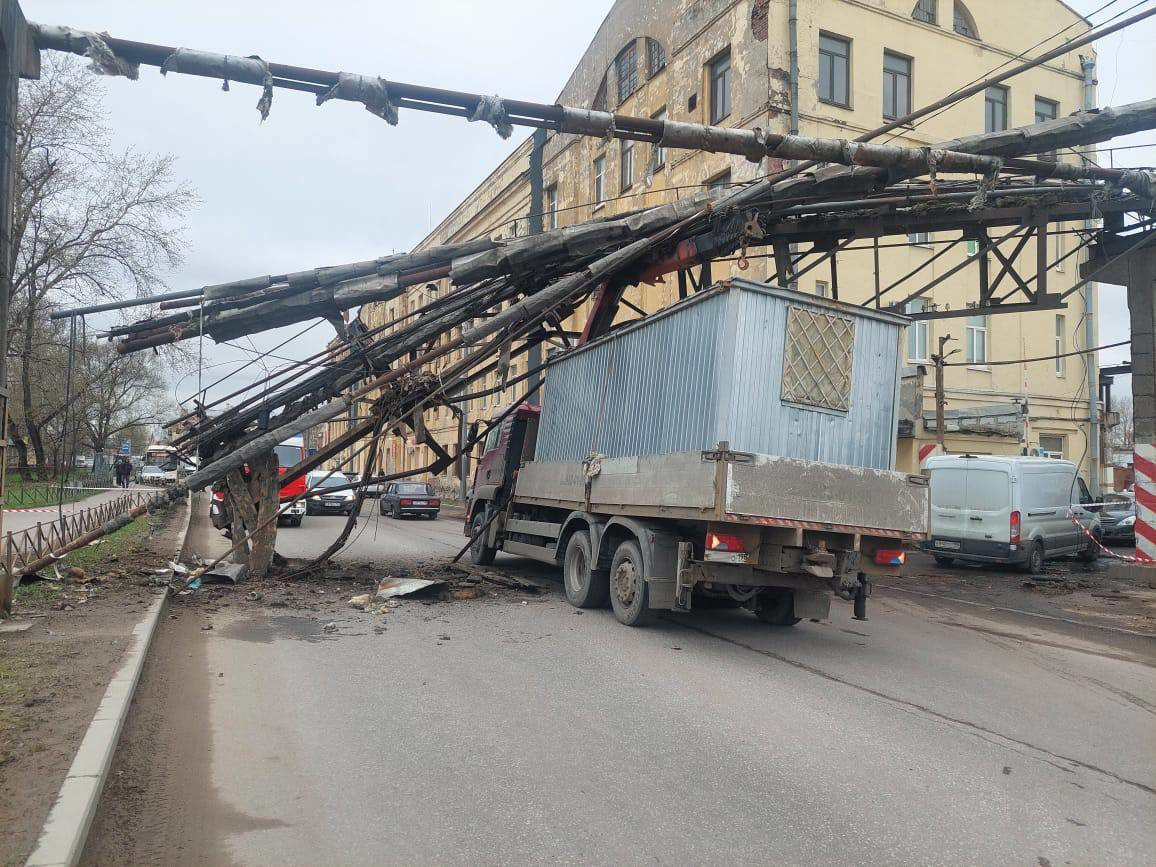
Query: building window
[[655, 57], [896, 85], [626, 66], [1046, 109], [657, 151], [821, 289], [962, 22], [720, 86], [925, 11], [1061, 346], [625, 164], [1052, 446], [977, 340], [834, 70], [599, 180], [719, 183], [918, 333], [995, 108], [1058, 264], [552, 207], [919, 239]]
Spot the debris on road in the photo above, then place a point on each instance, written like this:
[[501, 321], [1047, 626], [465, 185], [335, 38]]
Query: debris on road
[[361, 602], [329, 627], [391, 587]]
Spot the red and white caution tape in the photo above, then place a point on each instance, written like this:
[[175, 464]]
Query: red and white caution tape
[[1108, 552]]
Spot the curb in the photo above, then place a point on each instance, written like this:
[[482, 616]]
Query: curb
[[66, 830]]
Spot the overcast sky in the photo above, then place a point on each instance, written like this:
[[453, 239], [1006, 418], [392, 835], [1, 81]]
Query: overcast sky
[[318, 186]]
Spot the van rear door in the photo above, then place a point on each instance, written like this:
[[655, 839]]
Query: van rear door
[[948, 508], [987, 523]]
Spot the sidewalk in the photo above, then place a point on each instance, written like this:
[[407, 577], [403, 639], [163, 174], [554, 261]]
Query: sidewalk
[[16, 520]]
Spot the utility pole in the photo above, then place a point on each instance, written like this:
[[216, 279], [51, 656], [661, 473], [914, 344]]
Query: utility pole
[[940, 401], [1091, 362], [18, 57]]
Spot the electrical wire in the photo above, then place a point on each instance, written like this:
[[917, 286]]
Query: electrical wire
[[1045, 357]]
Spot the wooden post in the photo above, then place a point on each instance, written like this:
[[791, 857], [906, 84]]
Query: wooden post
[[940, 400], [264, 490]]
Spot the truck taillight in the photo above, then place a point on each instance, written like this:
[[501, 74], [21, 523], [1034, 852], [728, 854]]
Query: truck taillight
[[723, 542], [890, 557], [1015, 528]]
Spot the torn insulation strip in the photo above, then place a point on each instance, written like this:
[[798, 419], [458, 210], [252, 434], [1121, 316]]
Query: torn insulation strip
[[371, 92], [492, 110]]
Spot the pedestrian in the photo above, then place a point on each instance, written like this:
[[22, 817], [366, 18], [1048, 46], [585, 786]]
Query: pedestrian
[[123, 472]]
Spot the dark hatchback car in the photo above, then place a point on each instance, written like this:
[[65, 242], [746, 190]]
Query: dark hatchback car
[[409, 498], [1118, 524]]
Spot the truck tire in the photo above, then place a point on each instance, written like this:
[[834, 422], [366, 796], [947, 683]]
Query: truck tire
[[585, 586], [1091, 552], [776, 607], [481, 554], [629, 596], [1034, 565]]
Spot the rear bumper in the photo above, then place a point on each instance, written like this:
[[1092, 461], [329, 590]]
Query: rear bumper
[[419, 510], [976, 551]]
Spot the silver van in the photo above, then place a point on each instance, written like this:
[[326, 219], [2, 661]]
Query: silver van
[[988, 509]]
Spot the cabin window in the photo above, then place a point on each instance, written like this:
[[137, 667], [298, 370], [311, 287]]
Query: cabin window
[[818, 359]]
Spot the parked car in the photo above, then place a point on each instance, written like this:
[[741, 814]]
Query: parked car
[[323, 502], [1018, 510], [1118, 524], [410, 498], [152, 476]]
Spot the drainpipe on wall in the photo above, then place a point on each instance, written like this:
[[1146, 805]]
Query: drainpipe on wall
[[1088, 64], [793, 59]]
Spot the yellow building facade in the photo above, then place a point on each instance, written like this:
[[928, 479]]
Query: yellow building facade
[[859, 63]]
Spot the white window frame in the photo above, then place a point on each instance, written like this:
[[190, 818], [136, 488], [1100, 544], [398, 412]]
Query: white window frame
[[599, 181], [552, 206], [625, 164], [657, 151], [976, 341], [898, 84], [919, 239], [1061, 343], [822, 290], [918, 334]]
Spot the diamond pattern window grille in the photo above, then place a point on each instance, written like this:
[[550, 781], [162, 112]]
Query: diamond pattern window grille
[[817, 367]]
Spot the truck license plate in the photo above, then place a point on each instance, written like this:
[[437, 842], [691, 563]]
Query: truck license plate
[[947, 543]]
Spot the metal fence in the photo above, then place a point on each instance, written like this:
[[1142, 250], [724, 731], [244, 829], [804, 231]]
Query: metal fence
[[26, 546]]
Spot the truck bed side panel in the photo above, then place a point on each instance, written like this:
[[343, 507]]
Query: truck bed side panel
[[812, 493], [679, 482]]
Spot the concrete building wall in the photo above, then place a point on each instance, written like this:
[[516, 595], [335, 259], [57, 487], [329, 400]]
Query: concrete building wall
[[692, 33]]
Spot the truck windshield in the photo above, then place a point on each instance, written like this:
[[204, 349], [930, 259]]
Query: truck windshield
[[288, 456]]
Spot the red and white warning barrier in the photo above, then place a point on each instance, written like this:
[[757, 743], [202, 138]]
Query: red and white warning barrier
[[1144, 461], [1108, 552]]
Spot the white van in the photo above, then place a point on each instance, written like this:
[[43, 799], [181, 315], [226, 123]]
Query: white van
[[987, 509]]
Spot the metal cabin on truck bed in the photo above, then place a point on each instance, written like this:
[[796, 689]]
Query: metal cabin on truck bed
[[739, 444]]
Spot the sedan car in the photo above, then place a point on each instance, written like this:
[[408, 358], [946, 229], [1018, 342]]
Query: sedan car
[[410, 498], [323, 501], [151, 476], [1118, 524]]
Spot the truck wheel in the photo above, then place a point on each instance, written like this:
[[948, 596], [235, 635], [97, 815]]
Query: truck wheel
[[586, 587], [1091, 552], [1034, 565], [628, 592], [480, 553], [776, 607]]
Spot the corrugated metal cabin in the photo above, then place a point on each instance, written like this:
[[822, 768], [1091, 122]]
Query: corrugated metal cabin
[[768, 370]]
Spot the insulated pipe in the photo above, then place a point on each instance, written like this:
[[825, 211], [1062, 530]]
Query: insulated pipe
[[1088, 65]]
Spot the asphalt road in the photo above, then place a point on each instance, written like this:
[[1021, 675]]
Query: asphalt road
[[514, 730]]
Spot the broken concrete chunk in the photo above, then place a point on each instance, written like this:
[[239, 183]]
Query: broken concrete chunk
[[361, 602]]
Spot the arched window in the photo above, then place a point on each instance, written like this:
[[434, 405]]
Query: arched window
[[626, 70], [655, 57], [962, 22], [925, 11]]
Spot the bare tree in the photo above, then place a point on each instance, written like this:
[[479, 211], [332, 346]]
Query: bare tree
[[89, 223], [1121, 436]]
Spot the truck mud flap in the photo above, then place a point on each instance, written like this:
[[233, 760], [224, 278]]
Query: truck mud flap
[[660, 592]]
